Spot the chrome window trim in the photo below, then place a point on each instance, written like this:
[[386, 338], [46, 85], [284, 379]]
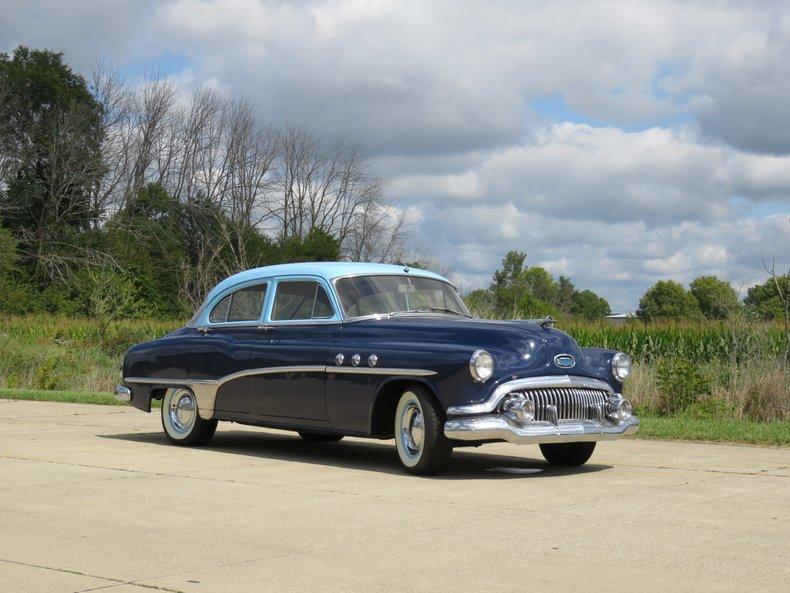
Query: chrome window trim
[[204, 321], [348, 317], [205, 390], [335, 318], [547, 381]]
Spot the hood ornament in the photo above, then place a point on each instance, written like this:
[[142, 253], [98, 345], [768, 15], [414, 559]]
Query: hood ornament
[[547, 321]]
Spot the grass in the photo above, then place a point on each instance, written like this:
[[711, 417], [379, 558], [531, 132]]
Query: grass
[[687, 428], [677, 427], [69, 397]]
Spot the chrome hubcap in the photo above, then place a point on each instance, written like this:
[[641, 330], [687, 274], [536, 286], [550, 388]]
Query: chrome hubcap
[[182, 411], [412, 429]]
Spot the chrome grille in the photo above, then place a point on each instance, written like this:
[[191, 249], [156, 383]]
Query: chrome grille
[[572, 403]]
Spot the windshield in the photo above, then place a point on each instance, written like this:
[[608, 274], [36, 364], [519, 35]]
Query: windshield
[[377, 295]]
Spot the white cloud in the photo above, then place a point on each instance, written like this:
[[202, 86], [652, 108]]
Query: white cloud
[[686, 156], [658, 176]]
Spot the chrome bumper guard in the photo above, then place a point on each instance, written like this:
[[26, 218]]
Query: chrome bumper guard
[[123, 393], [498, 427]]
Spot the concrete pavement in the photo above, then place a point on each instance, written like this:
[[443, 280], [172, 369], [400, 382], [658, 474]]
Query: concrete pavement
[[94, 498]]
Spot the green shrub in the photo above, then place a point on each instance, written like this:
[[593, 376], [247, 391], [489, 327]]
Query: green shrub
[[709, 407], [680, 382], [46, 375]]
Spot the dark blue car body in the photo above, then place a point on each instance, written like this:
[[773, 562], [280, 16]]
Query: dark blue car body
[[343, 375]]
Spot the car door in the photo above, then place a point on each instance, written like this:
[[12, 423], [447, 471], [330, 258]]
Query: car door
[[224, 344], [301, 326]]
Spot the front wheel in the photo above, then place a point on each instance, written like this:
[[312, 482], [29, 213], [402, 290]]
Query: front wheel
[[181, 421], [567, 454], [419, 433]]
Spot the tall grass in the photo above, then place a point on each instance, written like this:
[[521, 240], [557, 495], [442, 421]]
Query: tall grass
[[757, 390], [56, 352]]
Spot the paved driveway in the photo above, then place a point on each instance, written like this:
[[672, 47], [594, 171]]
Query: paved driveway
[[93, 498]]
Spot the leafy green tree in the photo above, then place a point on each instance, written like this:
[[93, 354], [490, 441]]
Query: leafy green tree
[[716, 298], [480, 303], [318, 245], [540, 284], [667, 299], [588, 305], [768, 300], [509, 287], [515, 285], [51, 142], [9, 258], [564, 295], [17, 294]]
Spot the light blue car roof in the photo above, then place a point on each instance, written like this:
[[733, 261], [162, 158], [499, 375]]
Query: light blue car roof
[[325, 270]]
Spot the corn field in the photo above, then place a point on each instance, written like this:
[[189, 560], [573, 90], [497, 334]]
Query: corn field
[[697, 341]]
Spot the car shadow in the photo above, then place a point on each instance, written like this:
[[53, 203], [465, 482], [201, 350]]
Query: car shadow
[[377, 456]]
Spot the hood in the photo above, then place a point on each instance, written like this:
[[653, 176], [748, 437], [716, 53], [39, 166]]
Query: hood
[[520, 347]]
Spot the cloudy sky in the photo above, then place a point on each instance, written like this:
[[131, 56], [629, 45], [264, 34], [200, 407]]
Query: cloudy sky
[[617, 143]]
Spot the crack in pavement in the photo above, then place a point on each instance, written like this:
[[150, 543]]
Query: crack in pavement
[[116, 582], [761, 472]]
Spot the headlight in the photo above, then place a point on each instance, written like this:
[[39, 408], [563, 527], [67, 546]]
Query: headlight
[[481, 365], [621, 366]]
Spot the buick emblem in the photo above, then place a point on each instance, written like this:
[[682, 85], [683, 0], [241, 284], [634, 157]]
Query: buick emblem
[[565, 361]]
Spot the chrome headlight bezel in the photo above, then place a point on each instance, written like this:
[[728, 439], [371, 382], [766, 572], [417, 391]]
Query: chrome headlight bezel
[[621, 366], [479, 367]]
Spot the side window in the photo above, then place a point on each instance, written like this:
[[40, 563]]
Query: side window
[[220, 313], [301, 299], [243, 305]]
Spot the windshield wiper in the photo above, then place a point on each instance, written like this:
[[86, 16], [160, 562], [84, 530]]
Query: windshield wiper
[[431, 310]]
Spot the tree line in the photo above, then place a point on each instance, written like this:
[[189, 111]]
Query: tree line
[[143, 199], [709, 297], [522, 291], [519, 291]]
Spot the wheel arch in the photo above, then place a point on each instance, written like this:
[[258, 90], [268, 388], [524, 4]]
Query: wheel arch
[[382, 414]]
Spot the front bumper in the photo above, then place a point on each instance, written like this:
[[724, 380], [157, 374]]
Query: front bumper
[[498, 427]]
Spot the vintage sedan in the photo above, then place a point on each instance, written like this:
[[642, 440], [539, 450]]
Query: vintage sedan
[[382, 351]]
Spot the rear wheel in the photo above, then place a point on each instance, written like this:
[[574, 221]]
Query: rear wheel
[[419, 433], [567, 454], [317, 437], [181, 421]]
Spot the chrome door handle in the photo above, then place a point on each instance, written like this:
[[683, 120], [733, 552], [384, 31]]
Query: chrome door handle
[[204, 330], [266, 328]]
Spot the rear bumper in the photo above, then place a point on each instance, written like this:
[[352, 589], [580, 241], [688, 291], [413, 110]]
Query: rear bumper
[[123, 393], [498, 427]]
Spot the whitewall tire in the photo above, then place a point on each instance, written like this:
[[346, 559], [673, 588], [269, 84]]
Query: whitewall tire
[[182, 422], [419, 433]]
